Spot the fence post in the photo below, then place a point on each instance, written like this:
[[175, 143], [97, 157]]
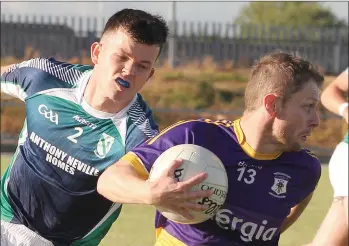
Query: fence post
[[172, 36], [337, 54], [336, 58]]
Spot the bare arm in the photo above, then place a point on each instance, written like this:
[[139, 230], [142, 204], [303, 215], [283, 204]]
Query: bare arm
[[334, 95], [121, 183], [295, 213]]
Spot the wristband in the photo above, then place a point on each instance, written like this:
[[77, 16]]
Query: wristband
[[342, 107]]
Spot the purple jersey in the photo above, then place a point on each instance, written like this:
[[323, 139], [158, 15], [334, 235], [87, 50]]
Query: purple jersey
[[262, 187]]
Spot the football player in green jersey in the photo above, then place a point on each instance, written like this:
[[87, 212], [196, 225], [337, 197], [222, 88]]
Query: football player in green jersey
[[334, 228], [79, 120]]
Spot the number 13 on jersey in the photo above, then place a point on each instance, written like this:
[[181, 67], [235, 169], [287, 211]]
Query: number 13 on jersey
[[247, 175]]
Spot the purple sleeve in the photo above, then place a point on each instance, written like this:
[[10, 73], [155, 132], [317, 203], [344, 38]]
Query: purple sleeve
[[314, 174]]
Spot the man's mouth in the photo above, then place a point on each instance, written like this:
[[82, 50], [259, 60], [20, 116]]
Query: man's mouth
[[305, 137], [122, 82]]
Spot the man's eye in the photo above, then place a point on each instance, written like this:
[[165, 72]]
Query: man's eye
[[122, 58], [309, 106], [142, 66]]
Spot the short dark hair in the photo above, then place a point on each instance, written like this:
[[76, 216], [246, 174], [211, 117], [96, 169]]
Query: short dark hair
[[140, 25], [279, 72]]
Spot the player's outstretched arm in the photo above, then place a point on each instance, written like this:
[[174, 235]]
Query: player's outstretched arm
[[121, 183], [333, 97], [295, 213]]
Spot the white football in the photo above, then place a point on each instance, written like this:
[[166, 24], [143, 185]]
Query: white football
[[196, 159]]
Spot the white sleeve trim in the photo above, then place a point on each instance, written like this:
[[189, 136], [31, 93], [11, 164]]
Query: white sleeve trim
[[13, 90]]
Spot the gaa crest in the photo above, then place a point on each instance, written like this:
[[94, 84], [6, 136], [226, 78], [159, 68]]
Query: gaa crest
[[104, 145], [279, 188]]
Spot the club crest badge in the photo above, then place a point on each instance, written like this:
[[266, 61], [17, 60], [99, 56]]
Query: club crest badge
[[279, 188], [104, 145]]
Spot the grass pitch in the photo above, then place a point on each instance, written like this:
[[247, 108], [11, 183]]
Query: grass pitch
[[135, 225]]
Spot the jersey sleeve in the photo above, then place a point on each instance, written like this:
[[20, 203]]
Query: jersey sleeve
[[310, 184], [141, 124], [196, 132], [29, 77]]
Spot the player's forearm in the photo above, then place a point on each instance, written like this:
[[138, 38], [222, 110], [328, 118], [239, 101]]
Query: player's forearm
[[332, 98], [121, 183]]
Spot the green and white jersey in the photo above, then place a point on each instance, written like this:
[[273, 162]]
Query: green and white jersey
[[65, 144]]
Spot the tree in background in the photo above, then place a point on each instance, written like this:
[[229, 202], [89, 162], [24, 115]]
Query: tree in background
[[307, 21], [289, 14]]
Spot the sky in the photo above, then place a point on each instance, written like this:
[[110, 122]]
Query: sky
[[185, 11]]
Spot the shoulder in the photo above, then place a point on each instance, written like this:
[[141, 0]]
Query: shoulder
[[205, 126], [62, 70], [141, 116], [304, 159], [193, 128], [309, 155], [302, 156], [50, 63], [310, 160], [139, 106], [206, 123]]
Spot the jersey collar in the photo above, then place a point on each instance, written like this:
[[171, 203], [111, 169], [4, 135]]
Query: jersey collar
[[80, 89], [247, 148]]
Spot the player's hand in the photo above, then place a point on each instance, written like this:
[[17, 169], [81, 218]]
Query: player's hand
[[167, 193]]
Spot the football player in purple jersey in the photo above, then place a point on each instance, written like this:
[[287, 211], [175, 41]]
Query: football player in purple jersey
[[271, 177]]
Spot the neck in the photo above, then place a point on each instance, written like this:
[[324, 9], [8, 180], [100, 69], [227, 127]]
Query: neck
[[258, 133], [97, 99]]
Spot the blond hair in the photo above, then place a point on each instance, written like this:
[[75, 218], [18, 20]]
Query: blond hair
[[281, 73]]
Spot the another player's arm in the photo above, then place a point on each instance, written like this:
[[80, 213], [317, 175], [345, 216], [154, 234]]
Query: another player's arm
[[121, 183], [125, 181], [334, 95], [295, 213]]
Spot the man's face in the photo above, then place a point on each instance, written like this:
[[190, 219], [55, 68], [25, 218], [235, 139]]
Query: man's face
[[117, 56], [298, 117]]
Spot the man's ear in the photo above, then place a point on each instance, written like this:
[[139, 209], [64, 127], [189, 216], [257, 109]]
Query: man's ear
[[270, 104], [95, 50]]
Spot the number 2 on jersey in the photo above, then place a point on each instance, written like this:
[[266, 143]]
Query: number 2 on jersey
[[75, 135], [250, 173]]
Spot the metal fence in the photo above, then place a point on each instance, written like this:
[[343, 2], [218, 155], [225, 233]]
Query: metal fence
[[69, 37]]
